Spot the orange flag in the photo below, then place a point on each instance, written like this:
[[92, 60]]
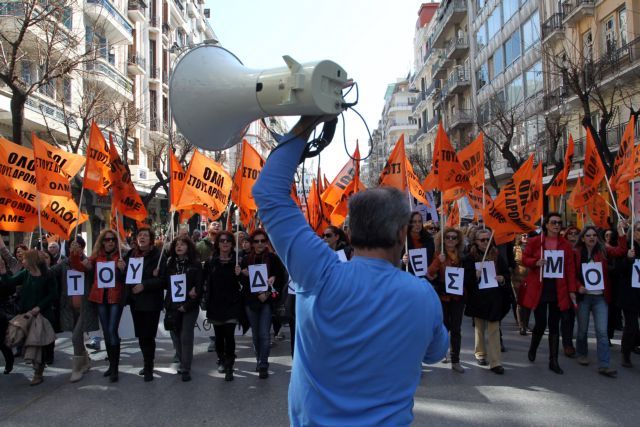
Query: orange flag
[[125, 197], [17, 175], [533, 209], [472, 159], [333, 192], [207, 186], [246, 176], [340, 212], [413, 183], [116, 224], [475, 200], [16, 214], [97, 173], [598, 211], [594, 172], [453, 216], [447, 169], [394, 173], [559, 185], [176, 179], [575, 195], [61, 216], [620, 173], [51, 177]]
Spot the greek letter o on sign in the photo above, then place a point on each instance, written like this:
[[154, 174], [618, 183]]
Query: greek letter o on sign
[[106, 272]]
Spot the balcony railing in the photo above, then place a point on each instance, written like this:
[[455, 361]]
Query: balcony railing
[[138, 60], [47, 108], [459, 43], [154, 73], [457, 7], [179, 4], [421, 131], [431, 89], [554, 23], [137, 5], [419, 101], [154, 22], [459, 118], [433, 122], [616, 60], [17, 8], [115, 13], [575, 8], [114, 75]]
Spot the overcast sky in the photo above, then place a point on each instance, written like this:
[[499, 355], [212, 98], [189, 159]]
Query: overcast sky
[[371, 39]]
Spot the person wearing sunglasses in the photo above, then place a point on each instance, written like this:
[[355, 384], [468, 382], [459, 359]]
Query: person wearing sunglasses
[[549, 298], [591, 249], [146, 299], [337, 240], [452, 305], [258, 304], [110, 301], [183, 259], [224, 300], [487, 306], [417, 238], [363, 327]]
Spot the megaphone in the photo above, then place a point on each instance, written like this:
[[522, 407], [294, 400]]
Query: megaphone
[[214, 97]]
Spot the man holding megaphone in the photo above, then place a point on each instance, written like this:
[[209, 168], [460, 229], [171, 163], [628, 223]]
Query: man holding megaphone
[[364, 326]]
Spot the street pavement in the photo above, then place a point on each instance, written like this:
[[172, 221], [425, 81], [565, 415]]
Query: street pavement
[[528, 393]]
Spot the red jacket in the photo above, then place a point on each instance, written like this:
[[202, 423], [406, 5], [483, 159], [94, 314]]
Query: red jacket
[[114, 295], [612, 252], [533, 285]]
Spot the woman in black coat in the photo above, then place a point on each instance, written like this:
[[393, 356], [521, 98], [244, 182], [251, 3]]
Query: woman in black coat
[[224, 302], [147, 298], [487, 306], [182, 302], [417, 238], [629, 298]]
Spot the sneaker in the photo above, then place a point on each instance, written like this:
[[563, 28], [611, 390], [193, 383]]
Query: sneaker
[[583, 360], [482, 362], [498, 370], [608, 372], [93, 344], [263, 373], [456, 367]]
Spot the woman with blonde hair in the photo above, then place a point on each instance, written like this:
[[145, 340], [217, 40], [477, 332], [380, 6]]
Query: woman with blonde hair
[[452, 305], [109, 301]]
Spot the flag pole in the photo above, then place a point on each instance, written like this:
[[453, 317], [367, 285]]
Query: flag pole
[[164, 241], [633, 204], [118, 234], [615, 207], [79, 212], [487, 248], [237, 234], [406, 238], [541, 242], [484, 225], [40, 220]]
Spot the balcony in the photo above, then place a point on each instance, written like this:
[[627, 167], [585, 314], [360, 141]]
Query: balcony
[[400, 126], [433, 123], [455, 13], [116, 27], [154, 74], [440, 96], [176, 9], [420, 104], [439, 69], [136, 64], [191, 10], [458, 80], [200, 25], [137, 10], [575, 10], [13, 13], [458, 47], [46, 108], [460, 119], [431, 90], [552, 28], [616, 62], [106, 74], [419, 135]]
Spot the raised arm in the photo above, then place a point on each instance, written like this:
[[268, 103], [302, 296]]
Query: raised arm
[[305, 256]]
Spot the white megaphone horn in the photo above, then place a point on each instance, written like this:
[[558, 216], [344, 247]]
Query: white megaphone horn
[[214, 97]]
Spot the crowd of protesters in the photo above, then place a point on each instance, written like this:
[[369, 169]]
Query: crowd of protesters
[[219, 269]]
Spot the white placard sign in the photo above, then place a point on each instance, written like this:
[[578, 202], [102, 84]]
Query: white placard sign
[[75, 283], [258, 277], [178, 287], [487, 271], [341, 255], [134, 271], [106, 272], [554, 264], [592, 276], [635, 274], [454, 280], [418, 260]]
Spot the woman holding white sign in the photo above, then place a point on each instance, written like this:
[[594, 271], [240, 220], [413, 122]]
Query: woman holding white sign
[[107, 289], [417, 238], [629, 297], [555, 293], [337, 240], [594, 294], [183, 273], [447, 277], [258, 277], [224, 302], [488, 288]]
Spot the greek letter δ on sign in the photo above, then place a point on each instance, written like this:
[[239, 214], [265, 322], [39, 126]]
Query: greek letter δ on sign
[[258, 277]]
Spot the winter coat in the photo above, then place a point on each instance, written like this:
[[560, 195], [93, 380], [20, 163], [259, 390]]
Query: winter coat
[[37, 291], [489, 304], [533, 285], [152, 297], [88, 310], [195, 278], [224, 301], [628, 297], [40, 333], [612, 252], [274, 267], [437, 270], [426, 241], [113, 295]]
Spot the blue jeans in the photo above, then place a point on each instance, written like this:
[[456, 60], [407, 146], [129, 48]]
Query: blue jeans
[[109, 315], [260, 328], [597, 305]]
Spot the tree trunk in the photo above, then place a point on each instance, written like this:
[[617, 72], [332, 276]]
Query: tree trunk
[[17, 115]]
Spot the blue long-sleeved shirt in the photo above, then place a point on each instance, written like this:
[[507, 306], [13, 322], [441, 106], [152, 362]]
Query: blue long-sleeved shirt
[[362, 327]]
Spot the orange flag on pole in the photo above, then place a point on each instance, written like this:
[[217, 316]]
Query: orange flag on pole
[[598, 211], [17, 176], [413, 183], [16, 214], [559, 185], [245, 177], [394, 173], [620, 173], [125, 197], [176, 179], [61, 216], [51, 177], [594, 172], [97, 173], [333, 192], [207, 186], [533, 209], [447, 169], [453, 215], [472, 159]]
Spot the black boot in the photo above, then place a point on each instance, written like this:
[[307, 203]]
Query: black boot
[[533, 348], [107, 373], [8, 359], [554, 343], [228, 368], [148, 370], [114, 363]]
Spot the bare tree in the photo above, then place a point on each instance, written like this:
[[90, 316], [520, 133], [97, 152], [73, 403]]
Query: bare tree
[[420, 162], [37, 49], [125, 117]]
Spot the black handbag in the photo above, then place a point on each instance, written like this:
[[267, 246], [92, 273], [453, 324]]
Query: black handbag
[[172, 320]]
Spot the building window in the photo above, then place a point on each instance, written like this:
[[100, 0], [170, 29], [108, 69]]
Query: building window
[[481, 37], [498, 62], [482, 75], [533, 80], [622, 26], [515, 92], [512, 48], [531, 31], [609, 34], [494, 23], [480, 4], [509, 7], [66, 91], [26, 72]]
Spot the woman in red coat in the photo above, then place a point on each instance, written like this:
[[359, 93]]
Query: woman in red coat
[[549, 298]]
